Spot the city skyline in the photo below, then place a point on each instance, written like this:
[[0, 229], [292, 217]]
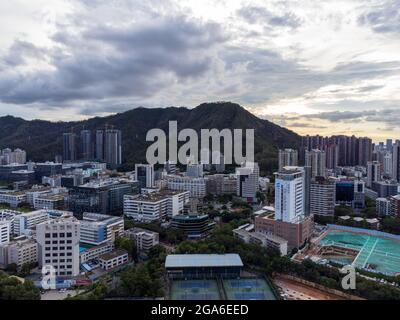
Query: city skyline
[[331, 73]]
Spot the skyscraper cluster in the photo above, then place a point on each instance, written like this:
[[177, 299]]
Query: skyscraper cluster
[[341, 150], [104, 145]]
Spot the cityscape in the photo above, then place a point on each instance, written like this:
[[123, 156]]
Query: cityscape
[[190, 232], [201, 158]]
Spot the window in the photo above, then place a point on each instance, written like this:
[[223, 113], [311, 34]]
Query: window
[[48, 242], [69, 235], [48, 235], [62, 235], [55, 242]]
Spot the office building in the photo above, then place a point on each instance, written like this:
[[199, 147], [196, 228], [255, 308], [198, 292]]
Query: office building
[[197, 187], [296, 233], [194, 170], [101, 196], [247, 234], [58, 243], [247, 184], [386, 188], [95, 252], [144, 173], [288, 158], [156, 205], [350, 192], [5, 230], [316, 160], [395, 205], [383, 206], [97, 229], [373, 172], [289, 194], [21, 251], [144, 239], [113, 259], [220, 184], [47, 169], [12, 198], [194, 226], [6, 171], [323, 197]]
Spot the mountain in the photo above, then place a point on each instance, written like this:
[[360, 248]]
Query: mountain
[[43, 139]]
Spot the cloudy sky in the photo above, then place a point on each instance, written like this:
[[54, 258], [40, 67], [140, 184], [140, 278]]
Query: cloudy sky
[[312, 66]]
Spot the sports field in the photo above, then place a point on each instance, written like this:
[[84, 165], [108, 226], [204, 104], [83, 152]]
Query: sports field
[[195, 290], [374, 253], [248, 289]]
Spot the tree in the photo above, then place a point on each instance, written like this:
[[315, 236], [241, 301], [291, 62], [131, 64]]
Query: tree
[[127, 244]]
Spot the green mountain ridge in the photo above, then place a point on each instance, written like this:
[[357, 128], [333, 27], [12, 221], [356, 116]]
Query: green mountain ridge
[[43, 139]]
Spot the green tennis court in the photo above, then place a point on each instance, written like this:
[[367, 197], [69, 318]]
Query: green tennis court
[[195, 290], [374, 253], [248, 289]]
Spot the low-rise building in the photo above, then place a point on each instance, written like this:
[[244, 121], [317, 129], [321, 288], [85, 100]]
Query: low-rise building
[[13, 199], [95, 252], [144, 239], [295, 233], [97, 229], [196, 186], [155, 205], [20, 251], [194, 226], [113, 259], [246, 233]]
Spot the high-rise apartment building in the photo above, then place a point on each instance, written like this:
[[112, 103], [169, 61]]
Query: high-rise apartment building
[[144, 173], [316, 159], [373, 172], [322, 197], [288, 158], [113, 147], [69, 147], [396, 162], [86, 144]]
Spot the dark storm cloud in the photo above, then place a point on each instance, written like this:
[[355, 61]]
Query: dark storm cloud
[[105, 62], [256, 14], [382, 18]]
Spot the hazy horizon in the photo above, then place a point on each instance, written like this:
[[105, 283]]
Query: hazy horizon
[[311, 67]]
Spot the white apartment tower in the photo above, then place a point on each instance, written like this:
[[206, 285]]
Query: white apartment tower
[[58, 242], [289, 194]]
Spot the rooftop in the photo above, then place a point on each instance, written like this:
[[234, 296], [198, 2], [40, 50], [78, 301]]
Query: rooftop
[[157, 196], [203, 260], [113, 254]]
